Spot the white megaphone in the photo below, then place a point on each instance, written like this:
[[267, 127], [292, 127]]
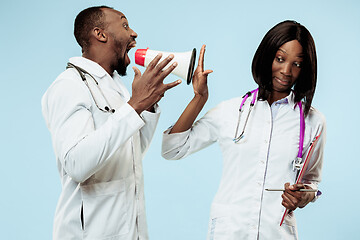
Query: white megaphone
[[185, 60]]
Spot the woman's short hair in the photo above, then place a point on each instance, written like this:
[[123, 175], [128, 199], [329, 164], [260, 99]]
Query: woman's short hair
[[304, 87]]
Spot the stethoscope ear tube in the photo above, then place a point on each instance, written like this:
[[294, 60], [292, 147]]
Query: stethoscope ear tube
[[297, 163], [248, 94], [82, 73], [79, 69]]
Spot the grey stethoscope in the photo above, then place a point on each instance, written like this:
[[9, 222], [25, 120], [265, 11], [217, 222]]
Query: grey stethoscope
[[297, 163], [82, 73]]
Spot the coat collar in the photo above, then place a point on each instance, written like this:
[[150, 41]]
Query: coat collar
[[89, 65], [289, 99]]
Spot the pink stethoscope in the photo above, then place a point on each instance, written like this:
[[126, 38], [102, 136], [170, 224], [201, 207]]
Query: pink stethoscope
[[297, 164]]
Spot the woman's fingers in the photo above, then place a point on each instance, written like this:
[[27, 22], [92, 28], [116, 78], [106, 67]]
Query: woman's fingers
[[201, 58]]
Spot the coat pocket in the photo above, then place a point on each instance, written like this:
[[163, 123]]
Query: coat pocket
[[218, 228], [105, 209], [289, 229]]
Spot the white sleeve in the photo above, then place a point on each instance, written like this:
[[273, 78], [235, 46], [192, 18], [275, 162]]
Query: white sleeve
[[203, 133], [312, 176], [80, 148], [147, 131]]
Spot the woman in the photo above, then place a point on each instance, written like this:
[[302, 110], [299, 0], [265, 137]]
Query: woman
[[261, 142]]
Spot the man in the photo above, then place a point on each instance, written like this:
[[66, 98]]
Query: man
[[100, 133]]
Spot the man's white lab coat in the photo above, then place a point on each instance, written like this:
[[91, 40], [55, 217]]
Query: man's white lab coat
[[99, 156]]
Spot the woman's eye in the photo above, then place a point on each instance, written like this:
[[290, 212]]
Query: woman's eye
[[279, 59], [297, 64]]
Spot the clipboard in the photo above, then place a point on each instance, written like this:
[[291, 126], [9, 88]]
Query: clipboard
[[303, 169]]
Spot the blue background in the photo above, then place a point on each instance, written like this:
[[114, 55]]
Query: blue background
[[37, 41]]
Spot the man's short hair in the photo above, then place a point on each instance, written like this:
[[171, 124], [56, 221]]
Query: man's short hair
[[85, 22]]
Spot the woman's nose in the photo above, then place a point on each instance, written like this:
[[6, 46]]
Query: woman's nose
[[286, 69]]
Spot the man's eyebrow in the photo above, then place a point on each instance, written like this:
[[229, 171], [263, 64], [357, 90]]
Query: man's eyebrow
[[123, 17]]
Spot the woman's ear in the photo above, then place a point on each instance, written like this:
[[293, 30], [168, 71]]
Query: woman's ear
[[99, 34]]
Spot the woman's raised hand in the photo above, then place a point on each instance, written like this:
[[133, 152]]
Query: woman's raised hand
[[200, 76]]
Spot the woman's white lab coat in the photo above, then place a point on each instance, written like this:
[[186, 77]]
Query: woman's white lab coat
[[242, 209], [98, 156]]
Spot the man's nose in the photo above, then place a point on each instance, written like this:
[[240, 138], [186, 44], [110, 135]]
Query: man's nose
[[133, 34]]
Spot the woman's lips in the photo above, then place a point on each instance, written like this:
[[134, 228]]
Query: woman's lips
[[282, 81]]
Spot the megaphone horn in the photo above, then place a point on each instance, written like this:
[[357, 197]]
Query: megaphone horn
[[185, 60]]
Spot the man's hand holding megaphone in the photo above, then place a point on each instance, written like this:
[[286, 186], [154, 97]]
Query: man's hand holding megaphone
[[149, 88]]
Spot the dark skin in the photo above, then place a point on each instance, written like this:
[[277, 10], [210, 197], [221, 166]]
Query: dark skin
[[293, 199], [286, 68], [108, 45], [201, 94]]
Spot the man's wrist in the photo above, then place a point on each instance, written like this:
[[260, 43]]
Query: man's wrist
[[151, 109], [135, 105]]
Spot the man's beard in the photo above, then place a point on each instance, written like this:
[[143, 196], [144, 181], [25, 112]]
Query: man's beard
[[121, 67]]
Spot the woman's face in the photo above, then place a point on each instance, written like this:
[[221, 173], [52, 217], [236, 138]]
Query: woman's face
[[286, 66]]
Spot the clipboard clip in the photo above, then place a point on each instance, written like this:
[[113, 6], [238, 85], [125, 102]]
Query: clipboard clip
[[297, 164]]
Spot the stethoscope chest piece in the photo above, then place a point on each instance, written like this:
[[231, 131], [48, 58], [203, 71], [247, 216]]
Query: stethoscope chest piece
[[297, 164]]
